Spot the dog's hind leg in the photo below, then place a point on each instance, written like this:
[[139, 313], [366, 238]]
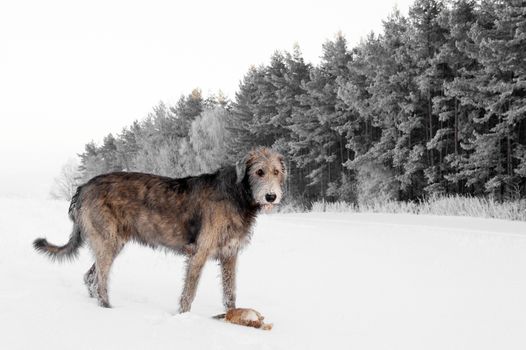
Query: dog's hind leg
[[194, 267], [104, 256], [90, 280]]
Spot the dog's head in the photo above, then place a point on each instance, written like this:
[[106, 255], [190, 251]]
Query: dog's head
[[266, 173]]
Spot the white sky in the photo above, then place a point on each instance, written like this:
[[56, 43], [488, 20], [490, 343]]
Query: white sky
[[73, 71]]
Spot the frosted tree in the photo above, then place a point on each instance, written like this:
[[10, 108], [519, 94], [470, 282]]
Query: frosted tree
[[454, 106], [317, 144], [66, 183]]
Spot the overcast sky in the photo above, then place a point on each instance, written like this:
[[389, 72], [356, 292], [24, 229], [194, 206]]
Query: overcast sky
[[73, 71]]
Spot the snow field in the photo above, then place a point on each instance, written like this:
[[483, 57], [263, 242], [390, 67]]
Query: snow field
[[326, 281]]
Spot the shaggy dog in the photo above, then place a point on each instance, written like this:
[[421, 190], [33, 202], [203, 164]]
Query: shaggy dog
[[209, 216]]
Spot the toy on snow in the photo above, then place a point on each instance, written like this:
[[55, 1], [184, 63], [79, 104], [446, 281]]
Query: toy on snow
[[245, 317]]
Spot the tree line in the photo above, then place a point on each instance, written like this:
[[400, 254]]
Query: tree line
[[433, 105]]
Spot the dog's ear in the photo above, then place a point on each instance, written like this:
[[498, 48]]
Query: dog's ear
[[241, 169], [283, 166]]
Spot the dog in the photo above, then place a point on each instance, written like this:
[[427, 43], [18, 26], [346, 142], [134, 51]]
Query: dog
[[203, 217]]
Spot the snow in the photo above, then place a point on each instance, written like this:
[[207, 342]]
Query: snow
[[326, 280]]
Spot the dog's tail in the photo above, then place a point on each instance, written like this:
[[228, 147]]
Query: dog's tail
[[70, 249]]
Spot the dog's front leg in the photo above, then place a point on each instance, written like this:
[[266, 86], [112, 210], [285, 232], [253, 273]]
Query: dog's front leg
[[228, 277], [194, 267]]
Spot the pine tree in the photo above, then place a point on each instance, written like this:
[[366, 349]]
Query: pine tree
[[377, 87], [497, 90], [90, 162], [454, 128], [425, 39], [127, 146], [187, 109], [108, 154], [503, 55], [316, 143], [243, 123]]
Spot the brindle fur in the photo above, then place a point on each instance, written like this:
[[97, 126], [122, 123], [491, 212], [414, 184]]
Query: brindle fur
[[209, 216]]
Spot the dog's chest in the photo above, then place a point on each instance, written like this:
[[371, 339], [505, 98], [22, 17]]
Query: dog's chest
[[232, 246], [235, 236]]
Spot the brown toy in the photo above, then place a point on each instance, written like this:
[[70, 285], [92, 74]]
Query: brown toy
[[245, 317]]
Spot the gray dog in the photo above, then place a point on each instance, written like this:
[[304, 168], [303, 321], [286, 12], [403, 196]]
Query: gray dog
[[209, 216]]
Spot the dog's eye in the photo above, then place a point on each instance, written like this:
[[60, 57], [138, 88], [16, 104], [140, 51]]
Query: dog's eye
[[276, 172], [260, 172]]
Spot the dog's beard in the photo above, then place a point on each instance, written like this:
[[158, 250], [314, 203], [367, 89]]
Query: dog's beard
[[267, 207]]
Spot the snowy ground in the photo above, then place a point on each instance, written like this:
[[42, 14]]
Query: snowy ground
[[326, 281]]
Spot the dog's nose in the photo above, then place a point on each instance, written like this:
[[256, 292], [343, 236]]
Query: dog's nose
[[270, 197]]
